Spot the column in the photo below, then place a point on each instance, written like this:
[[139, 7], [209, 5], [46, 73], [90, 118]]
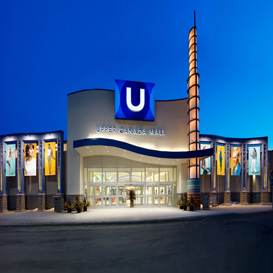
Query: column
[[227, 178], [3, 186], [20, 196], [265, 195], [243, 193], [193, 183], [41, 176], [59, 198], [213, 181]]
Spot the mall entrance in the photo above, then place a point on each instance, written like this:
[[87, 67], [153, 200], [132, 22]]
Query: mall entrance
[[118, 196], [108, 187]]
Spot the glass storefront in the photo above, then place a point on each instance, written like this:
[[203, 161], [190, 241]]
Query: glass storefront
[[109, 186]]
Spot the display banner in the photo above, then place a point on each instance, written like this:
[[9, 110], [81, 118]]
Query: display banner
[[254, 160], [235, 160], [10, 159], [50, 158], [30, 159], [220, 155], [134, 100], [205, 163]]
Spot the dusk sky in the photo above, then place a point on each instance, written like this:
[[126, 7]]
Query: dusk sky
[[49, 49]]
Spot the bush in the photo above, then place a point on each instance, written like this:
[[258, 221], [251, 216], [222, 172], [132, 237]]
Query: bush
[[78, 205]]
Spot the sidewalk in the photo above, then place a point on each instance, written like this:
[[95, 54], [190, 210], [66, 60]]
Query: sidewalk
[[121, 216]]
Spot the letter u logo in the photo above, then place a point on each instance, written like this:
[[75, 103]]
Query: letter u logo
[[139, 107]]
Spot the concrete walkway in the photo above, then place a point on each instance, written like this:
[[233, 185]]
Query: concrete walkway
[[121, 216]]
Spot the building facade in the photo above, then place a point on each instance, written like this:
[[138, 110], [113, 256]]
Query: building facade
[[122, 139]]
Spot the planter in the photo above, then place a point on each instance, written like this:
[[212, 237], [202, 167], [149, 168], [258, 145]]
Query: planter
[[79, 210], [185, 207], [191, 208], [84, 208], [69, 210]]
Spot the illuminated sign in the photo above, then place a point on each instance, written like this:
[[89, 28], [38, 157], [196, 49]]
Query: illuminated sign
[[220, 153], [10, 160], [205, 167], [130, 131], [134, 100], [254, 160], [235, 160]]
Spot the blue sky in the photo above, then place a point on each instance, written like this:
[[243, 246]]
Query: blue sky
[[49, 49]]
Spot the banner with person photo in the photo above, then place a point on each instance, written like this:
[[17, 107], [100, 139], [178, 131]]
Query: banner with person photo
[[30, 159], [254, 160], [235, 160], [10, 159], [50, 158], [205, 163], [220, 155]]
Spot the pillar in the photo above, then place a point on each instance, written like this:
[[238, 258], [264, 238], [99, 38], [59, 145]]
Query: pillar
[[3, 203], [265, 198], [3, 191], [41, 176], [227, 193], [193, 183], [20, 196]]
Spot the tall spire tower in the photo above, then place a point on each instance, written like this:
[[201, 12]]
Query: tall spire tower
[[193, 183]]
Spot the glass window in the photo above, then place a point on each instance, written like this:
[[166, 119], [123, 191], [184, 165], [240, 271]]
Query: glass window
[[169, 201], [169, 190], [122, 190], [122, 200], [152, 175], [113, 201], [162, 190], [149, 200], [162, 200], [155, 190], [139, 201], [113, 190], [162, 176], [124, 175], [174, 174], [139, 190], [149, 176], [155, 200], [166, 174], [90, 191], [106, 201], [95, 175], [98, 191], [91, 201], [84, 174], [98, 201], [109, 175], [149, 190], [138, 175], [106, 190]]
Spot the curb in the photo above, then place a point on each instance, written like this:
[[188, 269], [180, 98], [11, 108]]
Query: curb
[[138, 222]]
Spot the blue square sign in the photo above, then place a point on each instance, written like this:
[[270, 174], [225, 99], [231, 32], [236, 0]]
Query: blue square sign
[[134, 100]]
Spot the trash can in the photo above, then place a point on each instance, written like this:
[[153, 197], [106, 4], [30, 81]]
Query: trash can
[[58, 203], [205, 201]]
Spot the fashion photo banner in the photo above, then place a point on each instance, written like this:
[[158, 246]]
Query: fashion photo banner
[[50, 158], [235, 160], [30, 159], [205, 163], [220, 154], [254, 160], [10, 160]]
